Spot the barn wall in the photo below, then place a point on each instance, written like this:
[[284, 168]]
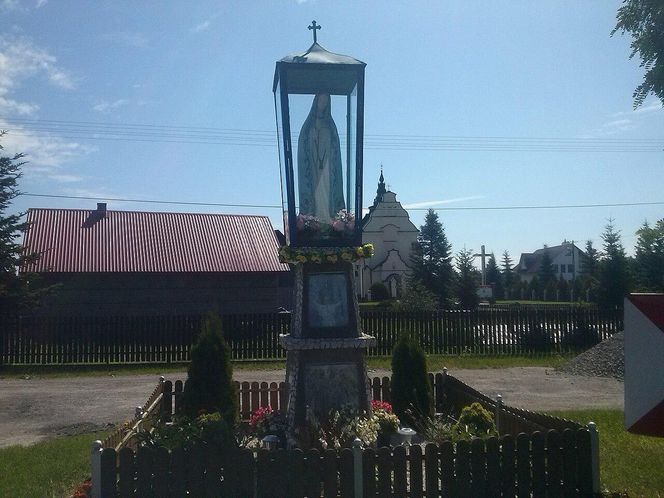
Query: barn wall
[[166, 294]]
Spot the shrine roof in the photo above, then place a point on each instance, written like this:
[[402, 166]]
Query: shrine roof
[[316, 54]]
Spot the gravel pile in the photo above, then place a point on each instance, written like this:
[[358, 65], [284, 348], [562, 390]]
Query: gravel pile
[[607, 359]]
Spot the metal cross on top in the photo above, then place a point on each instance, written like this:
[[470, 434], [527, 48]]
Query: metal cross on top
[[314, 27]]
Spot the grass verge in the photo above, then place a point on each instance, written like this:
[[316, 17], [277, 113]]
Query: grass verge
[[435, 362], [628, 462], [50, 468]]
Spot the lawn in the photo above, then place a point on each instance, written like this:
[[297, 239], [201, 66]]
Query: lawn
[[435, 362], [628, 463], [51, 468]]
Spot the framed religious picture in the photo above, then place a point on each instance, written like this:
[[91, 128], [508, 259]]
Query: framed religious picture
[[332, 386], [327, 296]]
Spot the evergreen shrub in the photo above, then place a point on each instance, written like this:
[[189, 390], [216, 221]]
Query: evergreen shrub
[[379, 292], [411, 390], [209, 387]]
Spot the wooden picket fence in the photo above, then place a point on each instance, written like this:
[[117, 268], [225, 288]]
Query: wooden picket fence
[[511, 330], [554, 464]]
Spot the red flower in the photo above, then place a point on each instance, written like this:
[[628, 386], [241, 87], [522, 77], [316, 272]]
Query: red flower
[[381, 405]]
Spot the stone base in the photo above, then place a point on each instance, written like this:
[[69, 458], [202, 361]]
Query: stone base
[[326, 365]]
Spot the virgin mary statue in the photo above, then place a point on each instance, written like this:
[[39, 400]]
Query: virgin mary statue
[[320, 180]]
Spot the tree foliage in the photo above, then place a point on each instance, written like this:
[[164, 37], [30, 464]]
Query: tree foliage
[[644, 21], [467, 280], [649, 257], [418, 298], [18, 291], [411, 389], [546, 272], [507, 272], [494, 278], [431, 261], [209, 386], [613, 275]]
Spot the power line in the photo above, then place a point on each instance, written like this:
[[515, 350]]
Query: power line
[[151, 133], [276, 206]]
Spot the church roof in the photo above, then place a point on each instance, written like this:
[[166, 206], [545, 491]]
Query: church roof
[[80, 240]]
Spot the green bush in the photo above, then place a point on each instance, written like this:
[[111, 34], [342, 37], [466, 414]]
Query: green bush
[[184, 432], [379, 292], [411, 389], [475, 421], [209, 387]]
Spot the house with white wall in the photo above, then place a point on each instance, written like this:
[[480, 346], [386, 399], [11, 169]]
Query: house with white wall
[[567, 260]]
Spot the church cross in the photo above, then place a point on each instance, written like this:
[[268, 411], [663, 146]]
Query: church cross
[[314, 27]]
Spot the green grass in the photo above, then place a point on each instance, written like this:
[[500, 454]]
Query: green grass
[[52, 468], [628, 462], [435, 362]]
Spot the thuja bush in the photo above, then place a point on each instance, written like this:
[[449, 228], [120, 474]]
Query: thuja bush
[[209, 387], [411, 389]]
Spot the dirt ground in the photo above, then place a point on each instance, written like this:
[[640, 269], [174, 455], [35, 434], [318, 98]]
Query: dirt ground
[[34, 409]]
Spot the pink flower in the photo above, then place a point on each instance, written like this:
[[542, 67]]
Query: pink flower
[[300, 223], [338, 225]]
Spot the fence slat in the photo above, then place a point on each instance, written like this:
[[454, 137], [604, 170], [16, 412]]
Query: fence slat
[[127, 473], [400, 472], [369, 472], [538, 461], [523, 480], [415, 464], [108, 472], [384, 472]]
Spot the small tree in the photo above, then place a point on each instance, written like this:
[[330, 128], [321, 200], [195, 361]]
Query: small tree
[[418, 298], [411, 389], [209, 385], [649, 256], [467, 281]]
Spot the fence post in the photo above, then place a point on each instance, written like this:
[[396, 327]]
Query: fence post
[[95, 459], [357, 468], [499, 408], [594, 453]]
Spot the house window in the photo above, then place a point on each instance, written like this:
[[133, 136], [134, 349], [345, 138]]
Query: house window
[[562, 268], [555, 268], [570, 268]]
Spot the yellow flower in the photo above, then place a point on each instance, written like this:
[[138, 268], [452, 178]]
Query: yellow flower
[[315, 258], [346, 256], [332, 258], [301, 259], [360, 252]]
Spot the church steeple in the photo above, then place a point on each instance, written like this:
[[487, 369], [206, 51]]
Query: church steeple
[[381, 188]]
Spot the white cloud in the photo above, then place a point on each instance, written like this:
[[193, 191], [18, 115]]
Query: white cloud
[[107, 107], [41, 3], [199, 28], [426, 204], [20, 60], [647, 108], [45, 153], [65, 178], [133, 39], [11, 5]]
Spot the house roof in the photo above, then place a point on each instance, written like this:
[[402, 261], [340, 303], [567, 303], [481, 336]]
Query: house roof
[[79, 240], [530, 262]]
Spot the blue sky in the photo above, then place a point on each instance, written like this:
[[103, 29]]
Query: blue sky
[[532, 101]]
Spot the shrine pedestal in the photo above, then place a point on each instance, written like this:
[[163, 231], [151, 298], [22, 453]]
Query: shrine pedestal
[[326, 349]]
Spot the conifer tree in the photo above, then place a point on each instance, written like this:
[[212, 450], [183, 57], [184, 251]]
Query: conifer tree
[[467, 280], [546, 272], [18, 291], [432, 259], [494, 278], [649, 257], [590, 261], [614, 276], [411, 389], [508, 274], [209, 386]]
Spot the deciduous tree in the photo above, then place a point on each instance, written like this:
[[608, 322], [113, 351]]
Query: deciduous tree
[[649, 256], [644, 21]]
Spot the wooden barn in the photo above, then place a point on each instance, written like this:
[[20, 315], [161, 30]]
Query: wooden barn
[[112, 263]]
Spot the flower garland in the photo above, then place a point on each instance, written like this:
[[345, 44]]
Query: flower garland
[[319, 255]]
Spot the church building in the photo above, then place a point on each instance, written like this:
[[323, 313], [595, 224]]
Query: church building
[[388, 227]]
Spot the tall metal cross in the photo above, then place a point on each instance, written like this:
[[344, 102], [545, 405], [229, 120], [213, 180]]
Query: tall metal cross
[[314, 27]]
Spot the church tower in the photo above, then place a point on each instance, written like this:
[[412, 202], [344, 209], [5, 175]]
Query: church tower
[[388, 227]]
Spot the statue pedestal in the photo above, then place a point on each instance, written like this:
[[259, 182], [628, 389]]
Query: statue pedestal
[[326, 365]]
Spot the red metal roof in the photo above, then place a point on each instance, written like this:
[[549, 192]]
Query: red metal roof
[[78, 240]]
